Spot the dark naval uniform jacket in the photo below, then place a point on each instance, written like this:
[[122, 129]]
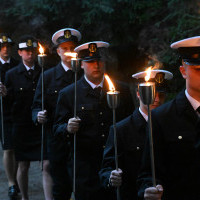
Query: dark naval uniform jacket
[[21, 89], [131, 134], [55, 79], [6, 66], [96, 118], [8, 142], [177, 159]]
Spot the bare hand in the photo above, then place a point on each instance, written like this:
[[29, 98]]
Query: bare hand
[[42, 116], [116, 178], [153, 193], [3, 90], [73, 125]]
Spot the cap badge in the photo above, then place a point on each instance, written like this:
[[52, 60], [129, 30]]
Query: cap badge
[[29, 43], [159, 78], [92, 48], [4, 38], [67, 33]]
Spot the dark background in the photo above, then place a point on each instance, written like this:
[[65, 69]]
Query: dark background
[[137, 30]]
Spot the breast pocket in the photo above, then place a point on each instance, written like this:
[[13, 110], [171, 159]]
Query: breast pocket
[[86, 113], [52, 95], [180, 146], [22, 94]]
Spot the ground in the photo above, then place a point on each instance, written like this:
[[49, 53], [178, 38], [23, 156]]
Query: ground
[[35, 182]]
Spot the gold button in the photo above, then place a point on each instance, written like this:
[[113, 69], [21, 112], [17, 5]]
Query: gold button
[[180, 137], [21, 88], [33, 82], [104, 146], [68, 136], [102, 124], [103, 135], [100, 113], [83, 108], [138, 148], [33, 89], [56, 91]]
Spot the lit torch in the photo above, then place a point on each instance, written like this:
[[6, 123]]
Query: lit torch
[[113, 102], [41, 56], [76, 66], [147, 95], [41, 62]]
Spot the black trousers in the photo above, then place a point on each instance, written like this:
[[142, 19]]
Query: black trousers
[[62, 186]]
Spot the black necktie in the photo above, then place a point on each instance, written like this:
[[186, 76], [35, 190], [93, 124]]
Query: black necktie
[[97, 91], [70, 75]]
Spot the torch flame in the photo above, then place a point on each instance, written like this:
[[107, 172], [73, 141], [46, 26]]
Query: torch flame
[[41, 49], [148, 74], [111, 86], [70, 54]]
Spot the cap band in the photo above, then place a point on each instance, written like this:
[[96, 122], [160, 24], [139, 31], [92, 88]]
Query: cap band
[[24, 45], [9, 40]]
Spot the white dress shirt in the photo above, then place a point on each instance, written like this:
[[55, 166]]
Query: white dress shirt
[[3, 61], [195, 104], [144, 115], [93, 85]]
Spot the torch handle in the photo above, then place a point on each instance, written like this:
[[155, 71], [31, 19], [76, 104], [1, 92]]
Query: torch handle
[[42, 139], [2, 120], [151, 147], [115, 139], [115, 145], [74, 164]]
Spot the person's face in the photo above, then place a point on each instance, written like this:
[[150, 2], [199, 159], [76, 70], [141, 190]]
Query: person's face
[[159, 100], [5, 51], [191, 73], [28, 55], [94, 70], [65, 47]]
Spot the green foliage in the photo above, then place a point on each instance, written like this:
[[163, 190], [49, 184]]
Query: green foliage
[[150, 26]]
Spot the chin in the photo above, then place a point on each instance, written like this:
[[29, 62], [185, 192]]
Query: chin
[[155, 106]]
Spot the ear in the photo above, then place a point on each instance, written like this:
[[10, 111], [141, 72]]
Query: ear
[[19, 52], [82, 64], [138, 94], [58, 51], [183, 71]]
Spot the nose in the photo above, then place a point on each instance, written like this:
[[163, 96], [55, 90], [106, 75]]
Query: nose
[[157, 98], [96, 64]]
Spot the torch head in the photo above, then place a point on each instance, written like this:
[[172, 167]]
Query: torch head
[[113, 99], [41, 56], [76, 64], [41, 60], [147, 92]]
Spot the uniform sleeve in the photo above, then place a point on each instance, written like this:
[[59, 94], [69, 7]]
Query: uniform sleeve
[[145, 175], [37, 101], [63, 114], [8, 99], [108, 163]]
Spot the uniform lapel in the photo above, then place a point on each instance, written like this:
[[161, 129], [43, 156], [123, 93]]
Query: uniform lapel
[[86, 88], [36, 72], [62, 74], [22, 70], [185, 109]]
